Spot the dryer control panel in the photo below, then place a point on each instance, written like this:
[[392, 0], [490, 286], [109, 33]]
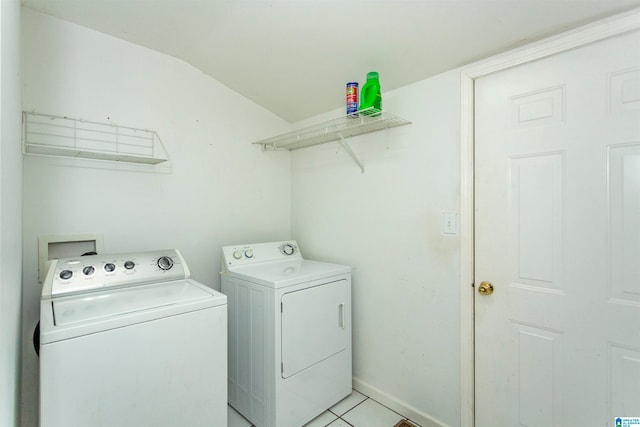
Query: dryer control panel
[[95, 272], [234, 256]]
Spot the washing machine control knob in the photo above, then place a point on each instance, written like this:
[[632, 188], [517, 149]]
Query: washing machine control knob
[[165, 263], [89, 270], [248, 253], [237, 254], [109, 267], [129, 265], [66, 274]]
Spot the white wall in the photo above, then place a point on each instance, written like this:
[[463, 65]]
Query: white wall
[[387, 224], [219, 189], [10, 212]]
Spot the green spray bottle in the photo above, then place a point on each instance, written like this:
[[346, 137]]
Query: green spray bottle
[[370, 95]]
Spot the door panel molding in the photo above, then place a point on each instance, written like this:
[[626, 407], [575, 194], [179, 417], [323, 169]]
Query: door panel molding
[[596, 31]]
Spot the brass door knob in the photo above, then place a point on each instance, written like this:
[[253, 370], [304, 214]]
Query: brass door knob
[[485, 288]]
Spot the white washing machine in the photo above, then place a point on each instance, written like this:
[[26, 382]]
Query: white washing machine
[[130, 340], [289, 333]]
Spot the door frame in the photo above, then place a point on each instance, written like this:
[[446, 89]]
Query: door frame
[[593, 32]]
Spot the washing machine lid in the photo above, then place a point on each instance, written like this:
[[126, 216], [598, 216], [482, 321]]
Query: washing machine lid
[[279, 274], [83, 314], [91, 307]]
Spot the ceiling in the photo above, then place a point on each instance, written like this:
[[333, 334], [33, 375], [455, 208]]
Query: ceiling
[[294, 57]]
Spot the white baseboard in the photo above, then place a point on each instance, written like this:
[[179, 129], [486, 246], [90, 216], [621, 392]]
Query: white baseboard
[[394, 404]]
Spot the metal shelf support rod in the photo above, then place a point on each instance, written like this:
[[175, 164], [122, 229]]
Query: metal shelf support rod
[[348, 149]]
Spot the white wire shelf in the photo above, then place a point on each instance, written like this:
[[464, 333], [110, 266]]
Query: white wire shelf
[[49, 135], [366, 121], [339, 129]]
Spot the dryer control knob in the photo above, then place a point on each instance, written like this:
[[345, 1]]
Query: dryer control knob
[[248, 253], [237, 254], [288, 249], [109, 267], [66, 274], [88, 270], [165, 263], [129, 265]]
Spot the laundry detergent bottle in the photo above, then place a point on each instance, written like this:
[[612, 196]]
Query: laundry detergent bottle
[[370, 95]]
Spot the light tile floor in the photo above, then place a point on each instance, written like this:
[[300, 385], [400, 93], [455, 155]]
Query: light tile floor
[[355, 410]]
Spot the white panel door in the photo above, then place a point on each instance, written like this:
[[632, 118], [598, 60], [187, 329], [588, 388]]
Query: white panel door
[[314, 325], [557, 233]]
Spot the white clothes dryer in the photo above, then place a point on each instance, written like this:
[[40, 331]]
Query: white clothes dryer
[[289, 333], [130, 340]]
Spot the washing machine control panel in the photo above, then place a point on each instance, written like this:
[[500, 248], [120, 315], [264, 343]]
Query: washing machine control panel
[[234, 256], [95, 272]]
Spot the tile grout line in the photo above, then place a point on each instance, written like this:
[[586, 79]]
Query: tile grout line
[[404, 417], [349, 410], [352, 408], [346, 422], [395, 412]]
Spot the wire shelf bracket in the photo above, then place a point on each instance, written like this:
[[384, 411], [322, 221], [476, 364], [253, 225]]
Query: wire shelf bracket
[[349, 151]]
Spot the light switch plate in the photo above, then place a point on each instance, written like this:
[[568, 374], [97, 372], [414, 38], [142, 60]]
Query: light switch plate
[[449, 223]]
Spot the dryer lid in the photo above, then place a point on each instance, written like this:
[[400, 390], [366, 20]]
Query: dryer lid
[[287, 273]]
